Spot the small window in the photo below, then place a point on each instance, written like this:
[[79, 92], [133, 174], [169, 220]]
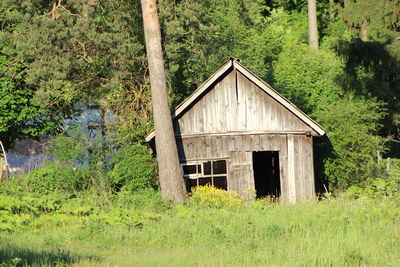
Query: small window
[[220, 182], [199, 168], [211, 172], [191, 183], [219, 167], [189, 169], [205, 181], [207, 168]]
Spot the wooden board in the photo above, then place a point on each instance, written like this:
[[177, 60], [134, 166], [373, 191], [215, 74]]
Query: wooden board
[[241, 173], [237, 104], [295, 160]]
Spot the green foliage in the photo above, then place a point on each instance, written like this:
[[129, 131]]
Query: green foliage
[[308, 78], [380, 17], [134, 168], [73, 51], [56, 178], [21, 113], [352, 125], [317, 83], [77, 163], [55, 56], [388, 185], [67, 149], [84, 231], [201, 35]]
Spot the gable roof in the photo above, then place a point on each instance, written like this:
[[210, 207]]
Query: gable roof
[[230, 65]]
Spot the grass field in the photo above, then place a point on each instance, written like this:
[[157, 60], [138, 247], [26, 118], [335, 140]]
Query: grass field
[[324, 233]]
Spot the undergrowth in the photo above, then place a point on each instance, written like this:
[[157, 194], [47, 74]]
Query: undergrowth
[[212, 228]]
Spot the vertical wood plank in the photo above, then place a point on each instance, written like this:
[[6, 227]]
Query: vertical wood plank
[[219, 147], [246, 142], [291, 169], [214, 147], [309, 167], [226, 114], [299, 179], [203, 147], [238, 143], [217, 107], [250, 116], [200, 116], [226, 148], [264, 142], [208, 146], [255, 142], [311, 170], [283, 167]]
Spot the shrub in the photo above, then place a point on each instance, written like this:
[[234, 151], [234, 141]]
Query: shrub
[[388, 185], [134, 168], [209, 196], [69, 150], [308, 78], [352, 126], [56, 177]]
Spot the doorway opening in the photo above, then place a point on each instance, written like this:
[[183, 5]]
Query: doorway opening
[[266, 174]]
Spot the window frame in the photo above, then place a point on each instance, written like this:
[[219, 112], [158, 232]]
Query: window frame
[[197, 175]]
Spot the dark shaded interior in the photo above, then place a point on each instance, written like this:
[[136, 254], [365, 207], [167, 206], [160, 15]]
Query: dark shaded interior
[[266, 173]]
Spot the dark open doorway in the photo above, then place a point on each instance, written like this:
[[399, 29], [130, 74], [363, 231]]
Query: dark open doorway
[[266, 173]]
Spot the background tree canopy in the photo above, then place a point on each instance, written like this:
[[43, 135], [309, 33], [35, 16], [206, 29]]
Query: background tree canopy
[[55, 54]]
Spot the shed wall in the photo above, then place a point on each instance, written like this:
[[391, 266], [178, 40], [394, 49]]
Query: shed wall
[[295, 157]]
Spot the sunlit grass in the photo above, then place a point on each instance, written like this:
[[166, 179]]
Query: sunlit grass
[[329, 232]]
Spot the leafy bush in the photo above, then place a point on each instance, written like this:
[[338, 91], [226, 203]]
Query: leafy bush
[[352, 125], [134, 168], [388, 185], [56, 177], [308, 78], [315, 82], [209, 196], [66, 149]]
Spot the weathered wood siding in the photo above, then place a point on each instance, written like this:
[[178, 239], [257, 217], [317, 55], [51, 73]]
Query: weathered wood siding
[[235, 118], [235, 104], [295, 159]]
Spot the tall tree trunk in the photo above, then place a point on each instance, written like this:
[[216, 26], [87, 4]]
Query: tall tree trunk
[[312, 24], [331, 10], [4, 163], [171, 180]]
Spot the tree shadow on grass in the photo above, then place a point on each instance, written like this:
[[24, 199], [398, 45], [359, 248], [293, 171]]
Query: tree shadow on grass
[[17, 256]]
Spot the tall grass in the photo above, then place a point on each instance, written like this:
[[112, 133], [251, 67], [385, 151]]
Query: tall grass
[[329, 232]]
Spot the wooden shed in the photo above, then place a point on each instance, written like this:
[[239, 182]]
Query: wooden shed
[[237, 133]]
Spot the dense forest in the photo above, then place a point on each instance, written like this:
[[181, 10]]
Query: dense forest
[[97, 200], [55, 54]]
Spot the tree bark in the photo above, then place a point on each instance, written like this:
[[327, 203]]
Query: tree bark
[[3, 152], [171, 179], [364, 31], [312, 25]]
